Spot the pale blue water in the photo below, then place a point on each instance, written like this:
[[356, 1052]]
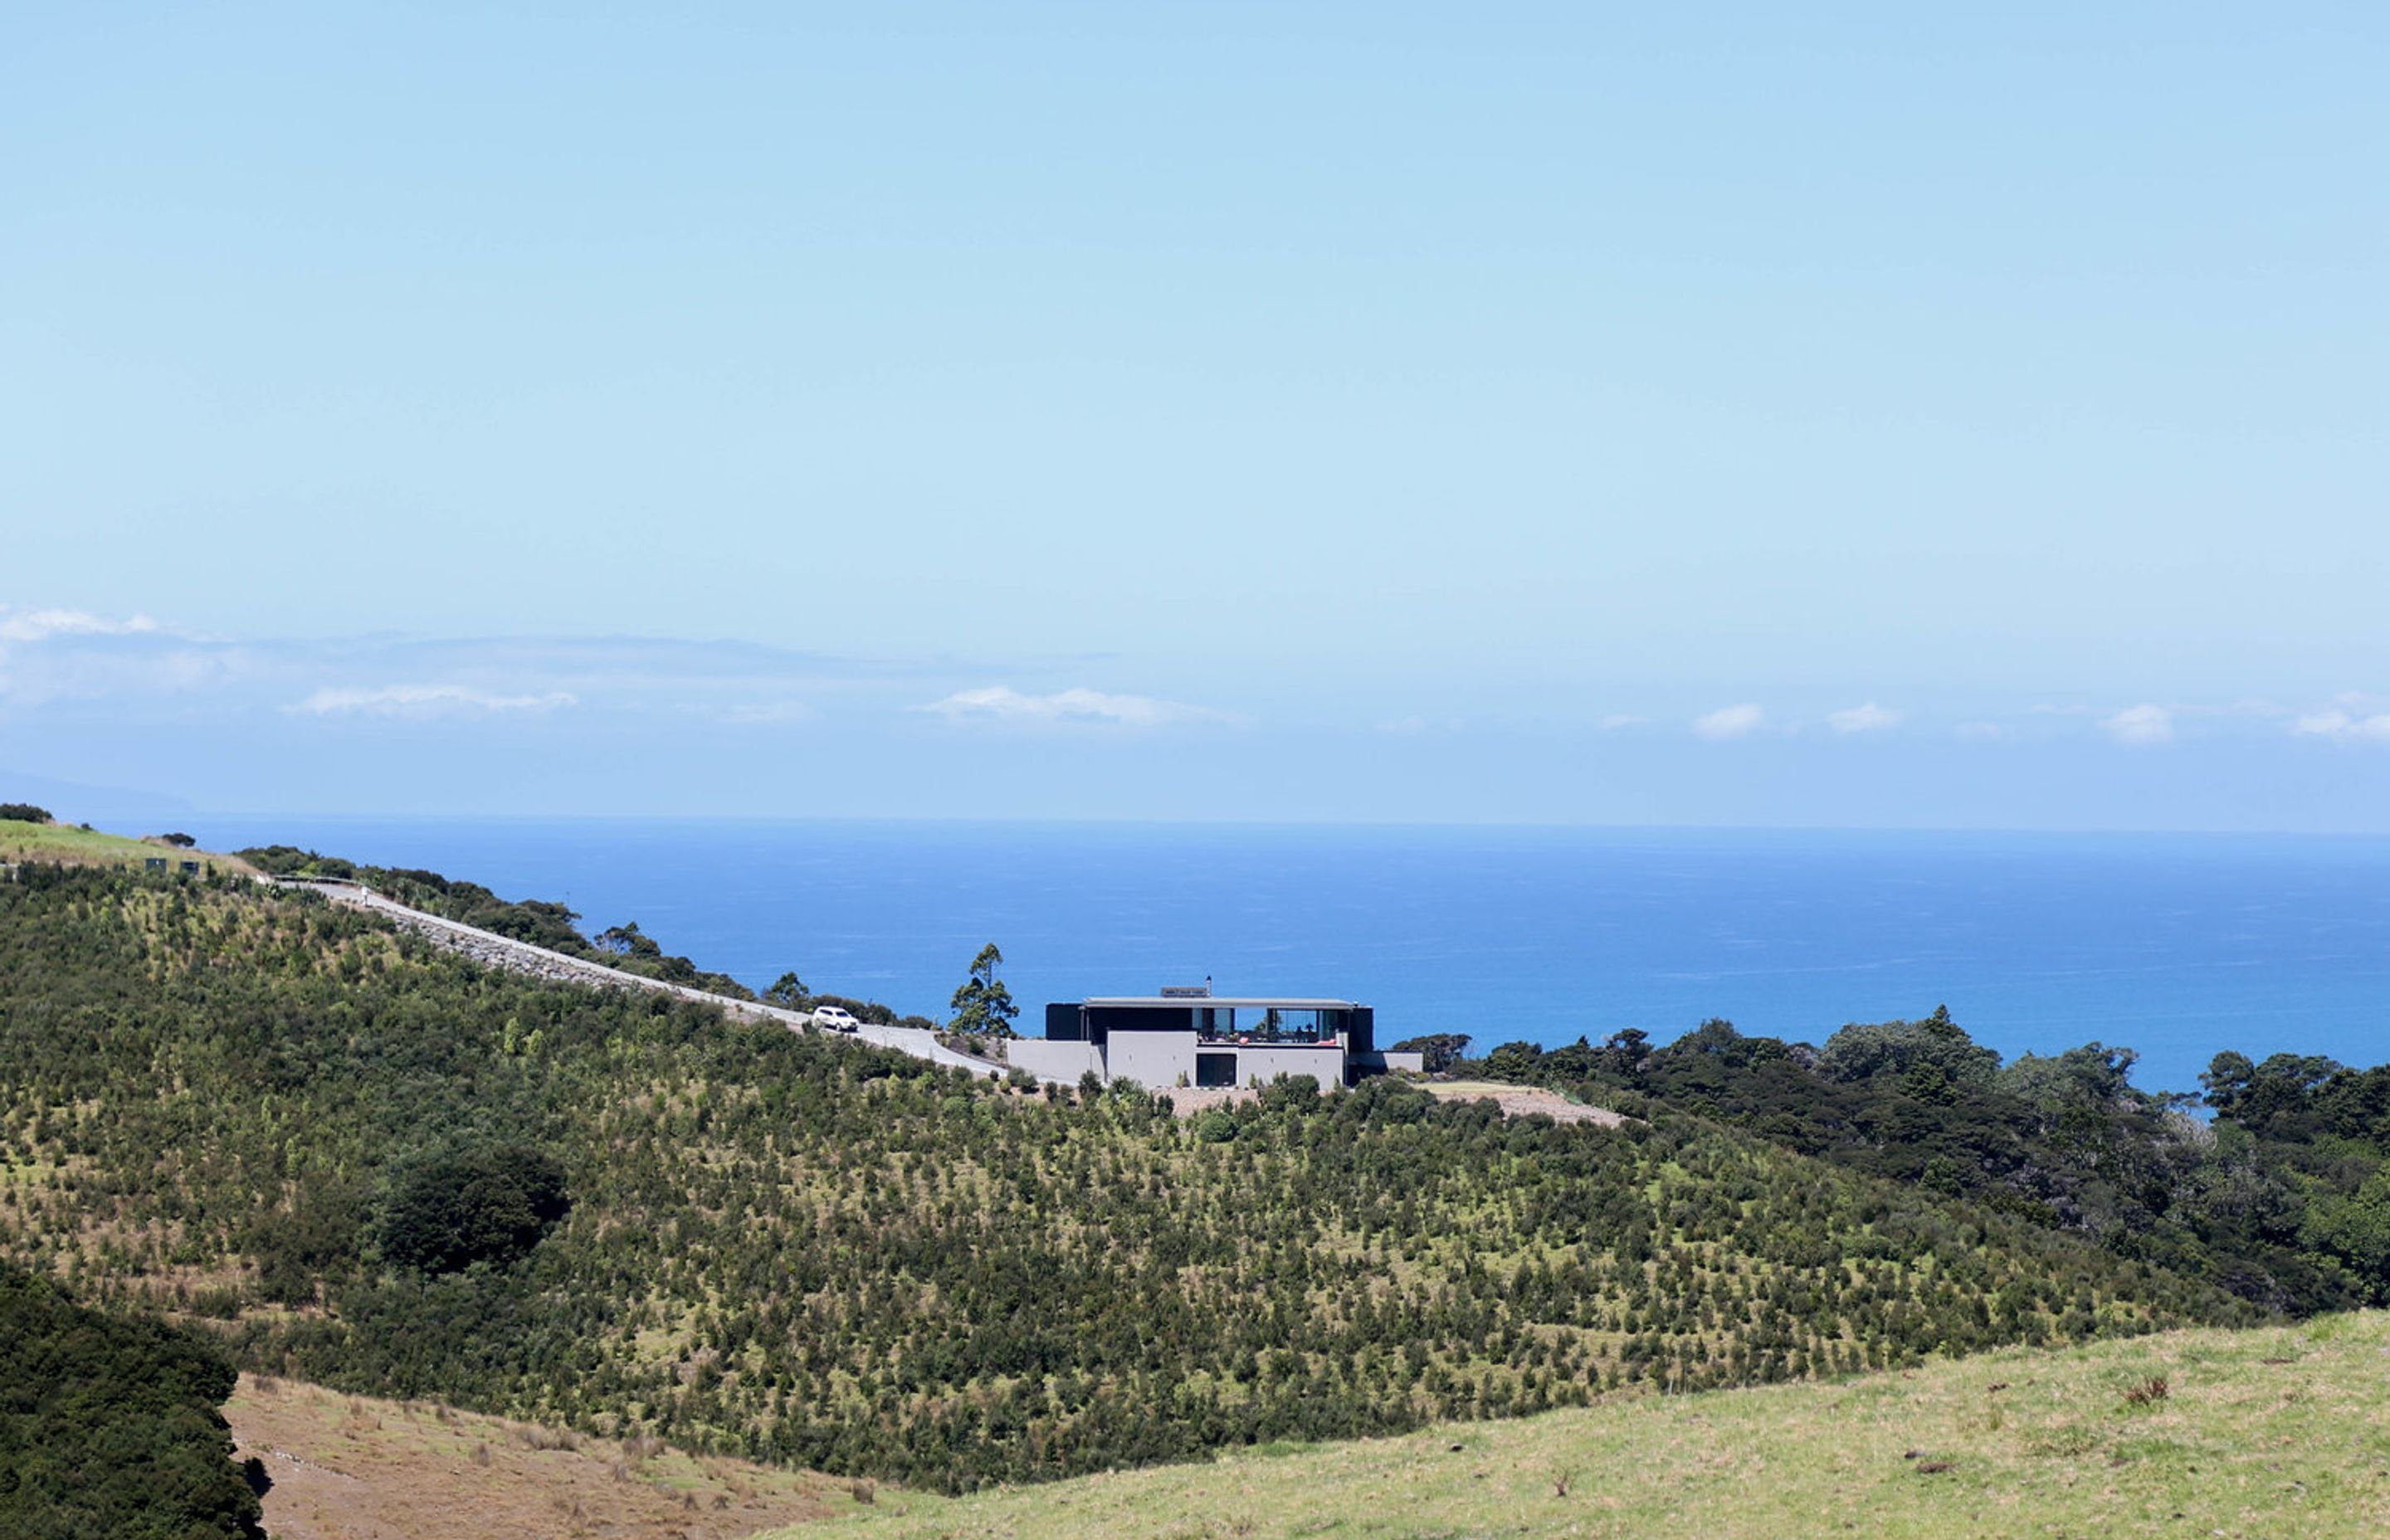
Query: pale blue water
[[2179, 945]]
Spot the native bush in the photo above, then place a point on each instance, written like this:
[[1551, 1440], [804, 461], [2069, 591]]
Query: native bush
[[109, 1428], [460, 1206]]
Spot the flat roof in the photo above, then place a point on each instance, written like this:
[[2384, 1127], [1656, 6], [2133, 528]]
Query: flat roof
[[1211, 1001]]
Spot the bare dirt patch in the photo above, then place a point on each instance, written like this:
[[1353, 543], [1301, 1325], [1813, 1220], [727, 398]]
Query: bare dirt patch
[[1518, 1101], [1187, 1100], [353, 1468]]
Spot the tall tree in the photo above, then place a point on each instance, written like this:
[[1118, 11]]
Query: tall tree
[[983, 1006]]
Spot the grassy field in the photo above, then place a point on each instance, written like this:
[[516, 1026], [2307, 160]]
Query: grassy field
[[353, 1468], [2280, 1431], [86, 847]]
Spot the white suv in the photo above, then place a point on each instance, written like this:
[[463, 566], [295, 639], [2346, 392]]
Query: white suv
[[836, 1018]]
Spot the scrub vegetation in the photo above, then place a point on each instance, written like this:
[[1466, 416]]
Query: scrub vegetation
[[2264, 1433], [389, 1170], [2282, 1198]]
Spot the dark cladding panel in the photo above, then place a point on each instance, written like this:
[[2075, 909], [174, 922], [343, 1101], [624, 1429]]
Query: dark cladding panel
[[1110, 1019], [1361, 1030], [1063, 1022]]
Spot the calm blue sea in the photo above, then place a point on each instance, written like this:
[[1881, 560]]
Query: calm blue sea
[[2177, 946]]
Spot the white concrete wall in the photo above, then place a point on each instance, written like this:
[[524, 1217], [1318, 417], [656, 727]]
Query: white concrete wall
[[1064, 1061], [1154, 1059], [1325, 1064]]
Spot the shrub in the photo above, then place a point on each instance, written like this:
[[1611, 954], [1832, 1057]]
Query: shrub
[[1291, 1094], [25, 813], [487, 1205]]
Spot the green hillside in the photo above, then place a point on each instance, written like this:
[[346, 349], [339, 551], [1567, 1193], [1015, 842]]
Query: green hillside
[[2280, 1197], [26, 839], [2280, 1431], [285, 1117]]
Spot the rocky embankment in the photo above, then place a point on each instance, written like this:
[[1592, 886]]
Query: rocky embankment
[[495, 951]]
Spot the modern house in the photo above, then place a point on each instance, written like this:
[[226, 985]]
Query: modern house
[[1188, 1036]]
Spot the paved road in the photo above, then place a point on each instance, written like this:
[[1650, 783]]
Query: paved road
[[522, 957]]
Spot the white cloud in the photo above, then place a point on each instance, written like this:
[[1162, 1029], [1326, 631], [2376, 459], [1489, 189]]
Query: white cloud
[[1728, 721], [2344, 726], [1870, 718], [2140, 727], [426, 701], [1003, 703], [1617, 720], [38, 625]]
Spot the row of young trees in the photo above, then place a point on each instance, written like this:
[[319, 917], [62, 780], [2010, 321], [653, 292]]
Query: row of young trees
[[815, 1252]]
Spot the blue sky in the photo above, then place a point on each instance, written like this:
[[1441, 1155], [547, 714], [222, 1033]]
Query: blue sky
[[1870, 415]]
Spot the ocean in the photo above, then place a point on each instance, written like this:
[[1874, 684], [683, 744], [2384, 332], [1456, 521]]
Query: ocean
[[2176, 945]]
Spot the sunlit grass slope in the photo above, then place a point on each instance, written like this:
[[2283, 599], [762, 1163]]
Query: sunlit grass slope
[[68, 845], [2280, 1431]]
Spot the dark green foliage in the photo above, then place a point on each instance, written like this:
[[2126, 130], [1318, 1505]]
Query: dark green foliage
[[627, 941], [1934, 1051], [291, 861], [317, 1235], [814, 1252], [459, 1207], [2277, 1202], [25, 813], [1438, 1051], [1291, 1094], [982, 1006], [109, 1427]]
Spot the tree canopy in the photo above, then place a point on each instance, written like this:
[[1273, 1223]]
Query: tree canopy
[[981, 1005], [459, 1207], [1438, 1051], [109, 1427]]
